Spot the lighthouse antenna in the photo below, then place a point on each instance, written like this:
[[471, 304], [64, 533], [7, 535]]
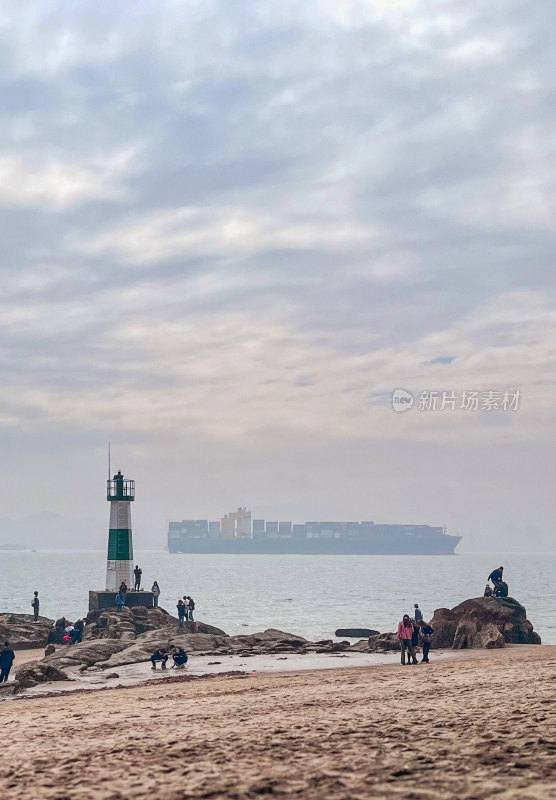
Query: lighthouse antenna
[[109, 471]]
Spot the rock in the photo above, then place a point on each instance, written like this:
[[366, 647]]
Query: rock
[[355, 633], [49, 650], [473, 624], [488, 637], [24, 634], [202, 627], [34, 672], [384, 642], [362, 646], [112, 675], [9, 689], [129, 623]]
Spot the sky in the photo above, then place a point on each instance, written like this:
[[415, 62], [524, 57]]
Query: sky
[[229, 231]]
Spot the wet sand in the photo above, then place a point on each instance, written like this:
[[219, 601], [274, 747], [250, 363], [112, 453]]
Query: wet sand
[[479, 726]]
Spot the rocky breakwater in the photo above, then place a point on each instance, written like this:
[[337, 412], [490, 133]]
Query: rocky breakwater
[[24, 634], [484, 622], [114, 639]]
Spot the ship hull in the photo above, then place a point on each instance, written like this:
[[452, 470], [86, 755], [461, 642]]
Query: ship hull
[[444, 545]]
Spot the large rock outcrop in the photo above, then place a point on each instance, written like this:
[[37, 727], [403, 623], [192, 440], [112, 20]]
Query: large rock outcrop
[[24, 634], [129, 623], [483, 622]]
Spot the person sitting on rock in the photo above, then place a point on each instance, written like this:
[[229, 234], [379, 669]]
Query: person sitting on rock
[[426, 631], [180, 657], [159, 655], [7, 656], [488, 591], [501, 589]]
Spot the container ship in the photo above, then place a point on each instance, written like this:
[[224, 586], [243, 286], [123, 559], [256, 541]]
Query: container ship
[[237, 533]]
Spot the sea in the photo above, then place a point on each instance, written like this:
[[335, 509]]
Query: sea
[[309, 595]]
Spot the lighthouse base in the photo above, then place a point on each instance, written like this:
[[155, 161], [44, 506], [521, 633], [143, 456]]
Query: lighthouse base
[[100, 601]]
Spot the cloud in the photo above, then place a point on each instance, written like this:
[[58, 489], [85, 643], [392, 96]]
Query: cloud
[[247, 224]]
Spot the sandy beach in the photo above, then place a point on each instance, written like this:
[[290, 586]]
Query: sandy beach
[[478, 726]]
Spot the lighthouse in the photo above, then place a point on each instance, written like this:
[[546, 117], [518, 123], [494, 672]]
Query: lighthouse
[[120, 493]]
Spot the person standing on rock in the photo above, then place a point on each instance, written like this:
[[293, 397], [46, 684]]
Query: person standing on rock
[[182, 613], [496, 576], [120, 601], [123, 589], [7, 656], [405, 634], [190, 608], [418, 614], [137, 573], [35, 604], [426, 631], [155, 590]]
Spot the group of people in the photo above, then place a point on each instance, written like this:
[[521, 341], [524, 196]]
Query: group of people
[[66, 633], [178, 654], [414, 632], [499, 587], [121, 596], [186, 607]]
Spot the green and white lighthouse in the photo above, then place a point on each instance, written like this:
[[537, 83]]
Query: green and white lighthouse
[[120, 493]]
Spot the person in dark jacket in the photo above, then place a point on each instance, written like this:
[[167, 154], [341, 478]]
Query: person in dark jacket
[[496, 575], [77, 633], [180, 657], [182, 613], [426, 631], [190, 608], [159, 655], [59, 630], [7, 656], [137, 572], [35, 603], [501, 589]]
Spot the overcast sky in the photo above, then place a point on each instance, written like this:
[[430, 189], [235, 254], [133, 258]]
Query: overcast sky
[[229, 230]]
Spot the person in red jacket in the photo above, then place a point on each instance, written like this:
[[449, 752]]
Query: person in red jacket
[[405, 633]]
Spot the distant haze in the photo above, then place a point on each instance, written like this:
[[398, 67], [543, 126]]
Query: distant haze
[[230, 230]]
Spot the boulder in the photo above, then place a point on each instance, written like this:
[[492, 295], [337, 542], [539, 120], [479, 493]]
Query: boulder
[[49, 650], [9, 689], [384, 642], [483, 622], [24, 634], [34, 672], [355, 633]]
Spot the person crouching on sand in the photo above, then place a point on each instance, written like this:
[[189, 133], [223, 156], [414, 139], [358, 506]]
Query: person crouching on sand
[[159, 655], [180, 657], [405, 633]]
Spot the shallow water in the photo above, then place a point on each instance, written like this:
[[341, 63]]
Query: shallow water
[[307, 595]]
